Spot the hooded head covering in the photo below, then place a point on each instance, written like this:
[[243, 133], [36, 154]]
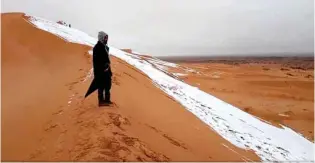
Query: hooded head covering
[[101, 36]]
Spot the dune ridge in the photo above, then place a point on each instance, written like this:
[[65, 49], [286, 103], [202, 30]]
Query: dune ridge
[[132, 129]]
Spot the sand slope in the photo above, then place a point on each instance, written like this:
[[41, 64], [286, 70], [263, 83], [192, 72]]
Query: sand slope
[[280, 95], [36, 67], [44, 115]]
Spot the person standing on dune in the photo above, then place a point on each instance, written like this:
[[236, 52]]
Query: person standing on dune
[[102, 70]]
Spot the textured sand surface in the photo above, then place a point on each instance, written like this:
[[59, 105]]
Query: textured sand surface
[[272, 92], [45, 118]]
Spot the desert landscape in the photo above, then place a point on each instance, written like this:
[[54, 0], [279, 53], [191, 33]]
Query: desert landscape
[[279, 90], [162, 111]]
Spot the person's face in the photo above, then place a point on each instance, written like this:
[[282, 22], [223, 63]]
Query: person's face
[[105, 38]]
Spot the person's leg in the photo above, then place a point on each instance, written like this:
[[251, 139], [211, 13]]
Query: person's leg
[[101, 88], [100, 94], [108, 86]]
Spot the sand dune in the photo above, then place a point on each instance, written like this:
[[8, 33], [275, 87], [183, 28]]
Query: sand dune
[[44, 115], [264, 90], [42, 73], [36, 67]]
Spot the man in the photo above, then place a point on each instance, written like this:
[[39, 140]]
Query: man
[[102, 70]]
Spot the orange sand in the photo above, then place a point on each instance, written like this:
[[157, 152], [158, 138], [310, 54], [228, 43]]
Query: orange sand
[[263, 90], [41, 73]]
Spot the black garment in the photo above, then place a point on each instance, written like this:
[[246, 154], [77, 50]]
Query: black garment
[[101, 59], [104, 84], [101, 62]]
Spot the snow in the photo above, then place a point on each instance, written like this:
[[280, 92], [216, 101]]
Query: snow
[[162, 65], [283, 115], [179, 74], [239, 128], [88, 75], [243, 157], [215, 74], [160, 62], [63, 32], [137, 53], [190, 70]]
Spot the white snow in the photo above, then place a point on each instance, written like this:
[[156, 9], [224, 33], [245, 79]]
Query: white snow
[[162, 65], [70, 99], [190, 70], [157, 61], [243, 157], [179, 74], [137, 53], [63, 32], [283, 115], [240, 128], [89, 75], [215, 74]]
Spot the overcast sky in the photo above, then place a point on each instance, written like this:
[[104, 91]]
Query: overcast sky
[[186, 27]]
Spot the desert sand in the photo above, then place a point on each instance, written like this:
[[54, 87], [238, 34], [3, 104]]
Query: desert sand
[[45, 117], [277, 90]]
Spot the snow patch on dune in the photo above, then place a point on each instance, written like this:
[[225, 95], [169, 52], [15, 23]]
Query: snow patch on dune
[[283, 115], [89, 75], [179, 74], [63, 32], [162, 65], [90, 52], [240, 128], [137, 53]]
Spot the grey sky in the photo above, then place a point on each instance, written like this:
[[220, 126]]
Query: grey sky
[[186, 27]]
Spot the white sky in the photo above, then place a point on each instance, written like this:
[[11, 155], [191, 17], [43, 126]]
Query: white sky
[[187, 27]]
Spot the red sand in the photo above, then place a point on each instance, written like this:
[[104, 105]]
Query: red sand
[[40, 72]]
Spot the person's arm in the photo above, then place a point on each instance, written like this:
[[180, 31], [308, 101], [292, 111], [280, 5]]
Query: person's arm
[[107, 62], [107, 51], [96, 59]]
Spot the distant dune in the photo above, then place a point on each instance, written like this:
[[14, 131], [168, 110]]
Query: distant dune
[[277, 89]]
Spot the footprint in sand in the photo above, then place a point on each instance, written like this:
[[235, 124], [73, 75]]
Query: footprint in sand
[[118, 120], [170, 139]]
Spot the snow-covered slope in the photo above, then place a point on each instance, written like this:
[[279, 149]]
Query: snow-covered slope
[[238, 127]]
